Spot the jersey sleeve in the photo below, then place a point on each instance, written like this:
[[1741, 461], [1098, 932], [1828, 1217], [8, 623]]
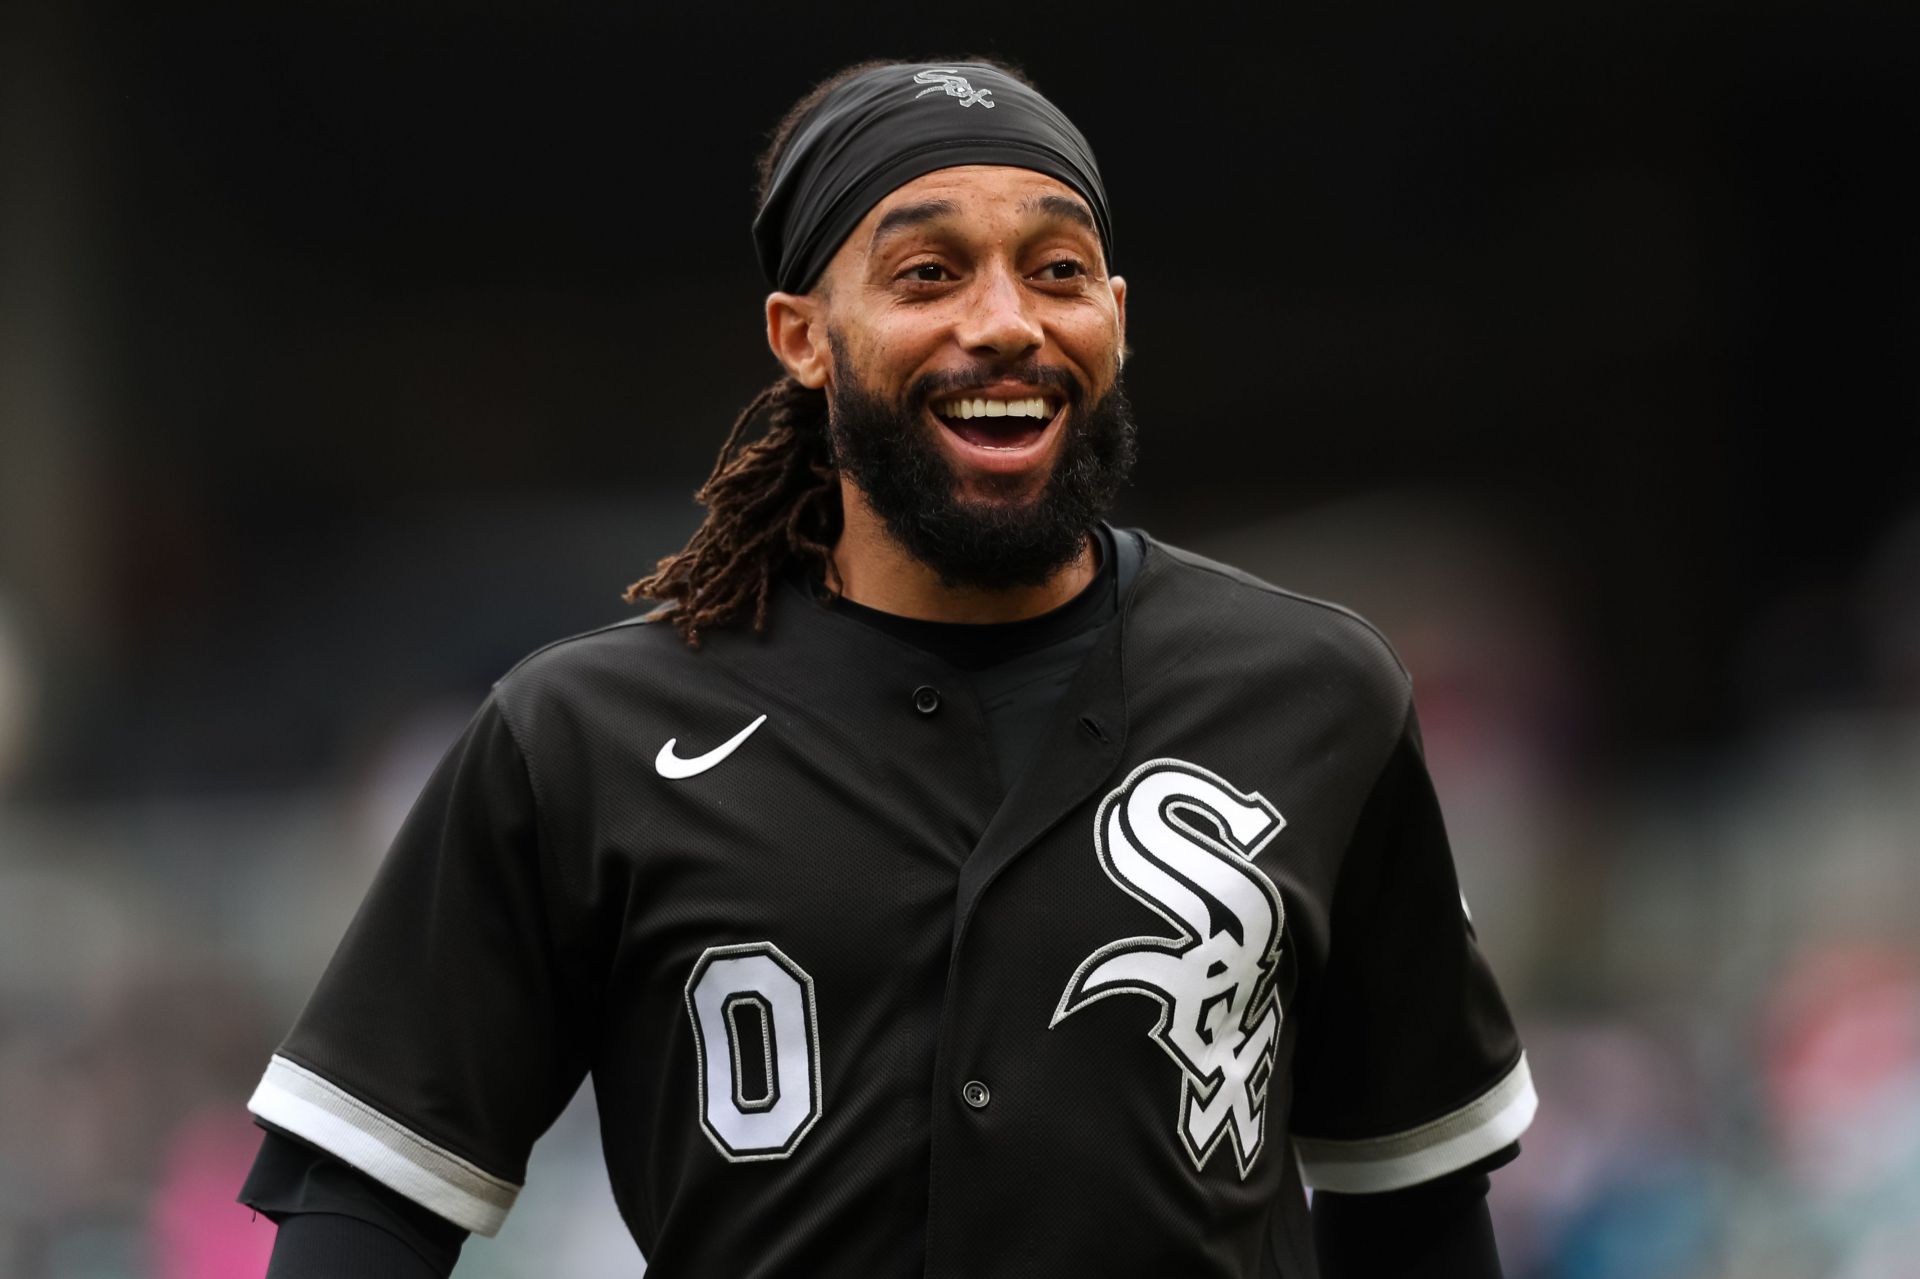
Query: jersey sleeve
[[445, 1035], [1408, 1065]]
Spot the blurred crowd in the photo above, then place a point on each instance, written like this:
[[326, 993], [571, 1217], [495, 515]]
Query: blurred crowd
[[1713, 955]]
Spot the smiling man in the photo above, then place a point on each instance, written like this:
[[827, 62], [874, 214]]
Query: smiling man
[[941, 880]]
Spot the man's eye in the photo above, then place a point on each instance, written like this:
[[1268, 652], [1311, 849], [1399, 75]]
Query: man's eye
[[925, 273], [1064, 269]]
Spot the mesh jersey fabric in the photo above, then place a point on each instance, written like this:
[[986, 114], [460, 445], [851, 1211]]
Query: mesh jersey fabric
[[857, 846], [1019, 670]]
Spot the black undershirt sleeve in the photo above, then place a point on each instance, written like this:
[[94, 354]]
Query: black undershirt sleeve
[[1438, 1229], [324, 1245], [335, 1220]]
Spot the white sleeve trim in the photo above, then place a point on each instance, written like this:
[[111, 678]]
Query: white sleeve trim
[[317, 1110], [1433, 1149]]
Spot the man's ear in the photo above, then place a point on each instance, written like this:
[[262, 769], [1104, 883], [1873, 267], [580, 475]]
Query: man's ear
[[1119, 286], [797, 332]]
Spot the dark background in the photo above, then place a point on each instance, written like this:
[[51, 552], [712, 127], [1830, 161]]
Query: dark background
[[350, 351]]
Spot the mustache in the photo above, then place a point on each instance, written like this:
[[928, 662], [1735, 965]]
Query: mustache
[[942, 382]]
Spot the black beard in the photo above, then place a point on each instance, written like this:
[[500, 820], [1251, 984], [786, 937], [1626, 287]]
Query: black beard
[[888, 451]]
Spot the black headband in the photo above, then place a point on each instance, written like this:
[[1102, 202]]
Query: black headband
[[888, 126]]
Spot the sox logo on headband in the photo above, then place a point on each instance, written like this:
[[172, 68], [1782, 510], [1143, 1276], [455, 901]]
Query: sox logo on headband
[[956, 85], [887, 126]]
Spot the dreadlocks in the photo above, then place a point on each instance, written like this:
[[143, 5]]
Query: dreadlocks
[[775, 499], [766, 502]]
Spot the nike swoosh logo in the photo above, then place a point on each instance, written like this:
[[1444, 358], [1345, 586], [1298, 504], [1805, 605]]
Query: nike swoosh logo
[[668, 764]]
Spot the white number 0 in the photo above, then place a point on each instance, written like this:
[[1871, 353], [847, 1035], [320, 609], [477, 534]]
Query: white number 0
[[752, 994]]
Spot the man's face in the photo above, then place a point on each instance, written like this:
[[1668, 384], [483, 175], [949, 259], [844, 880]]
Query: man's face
[[969, 340]]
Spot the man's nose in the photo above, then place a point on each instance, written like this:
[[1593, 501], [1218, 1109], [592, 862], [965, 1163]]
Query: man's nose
[[999, 319]]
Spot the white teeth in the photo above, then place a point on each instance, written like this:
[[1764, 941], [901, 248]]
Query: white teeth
[[980, 406]]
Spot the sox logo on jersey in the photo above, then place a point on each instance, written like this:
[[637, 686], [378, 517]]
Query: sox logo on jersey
[[1182, 840]]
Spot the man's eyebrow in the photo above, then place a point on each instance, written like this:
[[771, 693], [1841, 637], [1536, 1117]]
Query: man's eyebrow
[[911, 215], [1060, 206]]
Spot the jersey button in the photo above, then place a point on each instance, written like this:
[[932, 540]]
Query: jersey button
[[926, 699], [975, 1094]]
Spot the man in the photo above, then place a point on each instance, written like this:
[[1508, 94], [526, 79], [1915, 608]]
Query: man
[[942, 881]]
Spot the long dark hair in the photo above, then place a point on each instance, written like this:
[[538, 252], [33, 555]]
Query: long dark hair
[[777, 498], [767, 502]]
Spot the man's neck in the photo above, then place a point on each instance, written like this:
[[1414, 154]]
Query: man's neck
[[877, 571]]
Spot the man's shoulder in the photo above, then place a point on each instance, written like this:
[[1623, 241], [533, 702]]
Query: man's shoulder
[[594, 664], [1236, 586], [1230, 604]]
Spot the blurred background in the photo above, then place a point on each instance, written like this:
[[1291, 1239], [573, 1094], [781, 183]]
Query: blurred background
[[348, 352]]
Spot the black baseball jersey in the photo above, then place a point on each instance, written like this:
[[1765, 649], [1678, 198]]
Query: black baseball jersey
[[850, 1011]]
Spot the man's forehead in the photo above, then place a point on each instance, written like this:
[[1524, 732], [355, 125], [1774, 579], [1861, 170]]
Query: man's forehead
[[953, 194], [978, 181]]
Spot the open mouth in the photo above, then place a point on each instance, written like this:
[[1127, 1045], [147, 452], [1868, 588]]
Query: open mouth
[[1007, 424]]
